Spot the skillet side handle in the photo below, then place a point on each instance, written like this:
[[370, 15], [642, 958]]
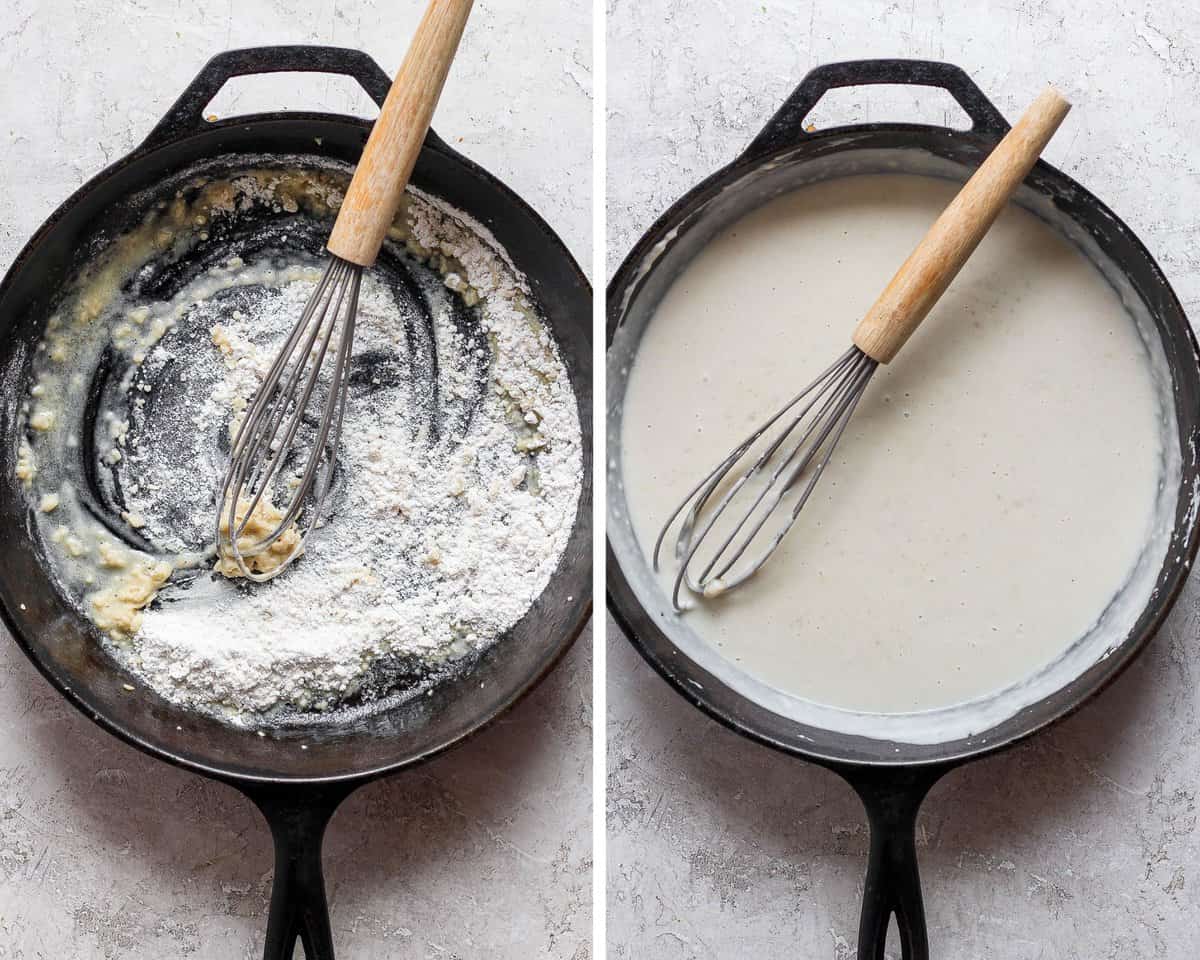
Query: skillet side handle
[[298, 817], [892, 799], [786, 128], [185, 116]]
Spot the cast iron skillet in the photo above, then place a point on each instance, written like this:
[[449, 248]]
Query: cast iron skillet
[[891, 778], [296, 789]]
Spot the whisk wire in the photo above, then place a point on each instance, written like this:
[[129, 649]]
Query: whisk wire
[[713, 479], [846, 401], [686, 546], [834, 413], [271, 404], [331, 421], [269, 463], [685, 535], [280, 363], [263, 442], [834, 395]]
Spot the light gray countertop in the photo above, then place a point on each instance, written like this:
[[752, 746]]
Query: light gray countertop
[[106, 853], [1082, 843]]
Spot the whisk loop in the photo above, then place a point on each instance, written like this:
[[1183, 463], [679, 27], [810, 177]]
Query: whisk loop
[[265, 441], [825, 407]]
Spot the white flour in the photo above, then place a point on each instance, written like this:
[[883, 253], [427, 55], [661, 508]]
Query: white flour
[[457, 489]]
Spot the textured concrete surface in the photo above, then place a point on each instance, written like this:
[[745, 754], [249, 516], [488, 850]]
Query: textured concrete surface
[[1082, 843], [485, 852]]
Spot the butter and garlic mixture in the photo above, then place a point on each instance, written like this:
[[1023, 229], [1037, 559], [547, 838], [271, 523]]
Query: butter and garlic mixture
[[458, 475], [264, 518]]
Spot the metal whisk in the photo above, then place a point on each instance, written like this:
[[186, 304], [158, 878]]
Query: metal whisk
[[825, 407], [809, 426], [276, 431], [269, 430]]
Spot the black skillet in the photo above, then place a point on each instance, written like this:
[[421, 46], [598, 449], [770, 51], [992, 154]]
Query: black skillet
[[891, 778], [297, 776]]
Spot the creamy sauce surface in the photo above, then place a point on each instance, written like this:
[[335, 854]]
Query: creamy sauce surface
[[993, 492]]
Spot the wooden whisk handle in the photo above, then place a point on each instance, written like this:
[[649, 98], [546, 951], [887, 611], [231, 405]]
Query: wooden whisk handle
[[926, 274], [391, 151]]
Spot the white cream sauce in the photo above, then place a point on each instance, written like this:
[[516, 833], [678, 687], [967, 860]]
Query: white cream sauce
[[996, 487]]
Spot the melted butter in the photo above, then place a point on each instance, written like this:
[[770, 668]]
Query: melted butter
[[117, 609], [116, 581], [262, 522]]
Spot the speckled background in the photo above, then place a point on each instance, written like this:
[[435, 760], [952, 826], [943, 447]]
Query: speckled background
[[1081, 844], [485, 852]]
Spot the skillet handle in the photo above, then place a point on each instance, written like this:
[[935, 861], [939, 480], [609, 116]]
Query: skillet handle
[[298, 817], [893, 882], [786, 128], [185, 116]]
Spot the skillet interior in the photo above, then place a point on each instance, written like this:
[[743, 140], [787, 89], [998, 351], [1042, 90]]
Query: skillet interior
[[63, 644], [716, 685]]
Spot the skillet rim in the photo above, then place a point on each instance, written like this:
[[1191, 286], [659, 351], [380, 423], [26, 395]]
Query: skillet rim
[[623, 605], [554, 654]]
